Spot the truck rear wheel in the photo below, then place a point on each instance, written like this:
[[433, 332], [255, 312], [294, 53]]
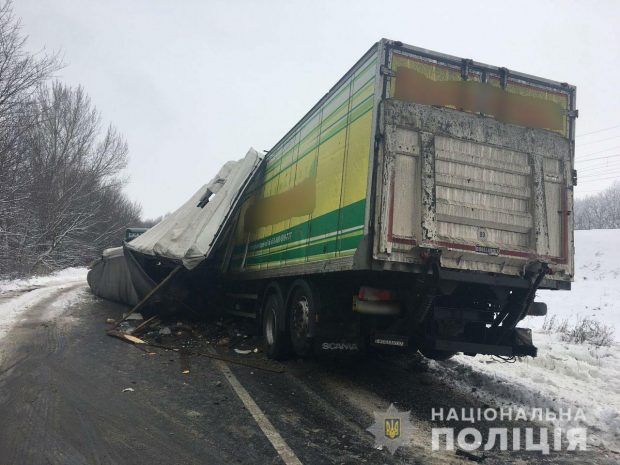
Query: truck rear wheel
[[274, 332], [301, 316]]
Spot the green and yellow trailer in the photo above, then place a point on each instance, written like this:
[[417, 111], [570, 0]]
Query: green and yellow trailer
[[420, 204]]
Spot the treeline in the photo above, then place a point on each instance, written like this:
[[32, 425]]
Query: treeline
[[61, 199], [600, 211]]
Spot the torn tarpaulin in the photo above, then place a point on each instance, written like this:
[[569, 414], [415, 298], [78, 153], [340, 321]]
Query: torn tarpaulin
[[185, 237], [189, 234]]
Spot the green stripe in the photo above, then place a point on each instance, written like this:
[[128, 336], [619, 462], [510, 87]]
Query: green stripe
[[345, 85], [314, 258], [325, 248], [305, 243], [346, 218], [350, 216], [358, 116], [320, 126]]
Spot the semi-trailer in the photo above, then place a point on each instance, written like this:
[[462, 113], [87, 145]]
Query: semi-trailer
[[420, 204]]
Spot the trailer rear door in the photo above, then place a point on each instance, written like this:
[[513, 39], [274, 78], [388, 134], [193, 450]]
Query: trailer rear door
[[475, 161]]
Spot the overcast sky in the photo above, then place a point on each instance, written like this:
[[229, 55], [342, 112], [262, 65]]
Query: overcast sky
[[192, 84]]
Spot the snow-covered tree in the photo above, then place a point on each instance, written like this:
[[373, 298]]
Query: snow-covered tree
[[61, 198], [600, 211]]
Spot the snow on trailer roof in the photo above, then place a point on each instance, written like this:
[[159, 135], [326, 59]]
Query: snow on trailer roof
[[188, 235]]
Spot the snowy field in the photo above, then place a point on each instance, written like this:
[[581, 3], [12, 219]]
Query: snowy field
[[564, 375], [596, 290]]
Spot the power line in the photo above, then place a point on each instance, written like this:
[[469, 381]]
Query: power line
[[589, 174], [617, 176], [600, 151], [598, 158], [610, 169], [589, 191], [597, 176], [598, 130], [605, 167], [601, 161], [601, 167], [597, 141]]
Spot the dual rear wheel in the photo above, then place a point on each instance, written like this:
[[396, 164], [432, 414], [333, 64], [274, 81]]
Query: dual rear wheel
[[289, 327], [288, 324]]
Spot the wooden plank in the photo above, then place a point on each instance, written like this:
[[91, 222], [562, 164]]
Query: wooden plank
[[142, 326], [126, 337], [153, 291]]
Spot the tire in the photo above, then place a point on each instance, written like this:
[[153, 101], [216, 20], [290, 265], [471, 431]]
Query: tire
[[274, 335], [301, 313]]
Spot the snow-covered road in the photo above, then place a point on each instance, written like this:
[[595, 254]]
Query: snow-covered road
[[564, 375], [17, 296]]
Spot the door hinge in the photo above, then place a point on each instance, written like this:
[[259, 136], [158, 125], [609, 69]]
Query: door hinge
[[385, 71], [465, 64], [503, 77]]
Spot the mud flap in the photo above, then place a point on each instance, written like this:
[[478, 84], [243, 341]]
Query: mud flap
[[522, 343], [520, 340]]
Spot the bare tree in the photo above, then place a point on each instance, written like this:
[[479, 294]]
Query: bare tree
[[21, 74], [76, 192], [600, 211], [150, 222], [61, 170]]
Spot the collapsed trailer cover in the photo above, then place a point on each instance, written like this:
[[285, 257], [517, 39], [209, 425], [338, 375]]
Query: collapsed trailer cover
[[110, 278], [188, 235]]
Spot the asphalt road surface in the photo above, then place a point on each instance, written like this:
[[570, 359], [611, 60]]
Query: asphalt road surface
[[64, 400]]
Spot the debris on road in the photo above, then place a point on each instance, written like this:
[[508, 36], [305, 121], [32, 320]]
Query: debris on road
[[197, 339], [128, 390], [142, 327], [110, 321], [133, 316], [470, 456], [125, 337]]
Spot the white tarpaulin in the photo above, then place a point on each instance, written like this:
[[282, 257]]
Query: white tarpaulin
[[189, 233]]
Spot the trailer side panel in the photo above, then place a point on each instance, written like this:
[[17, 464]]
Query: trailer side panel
[[308, 203]]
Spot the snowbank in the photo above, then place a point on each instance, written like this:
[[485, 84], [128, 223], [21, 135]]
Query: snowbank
[[17, 296], [564, 375], [59, 277]]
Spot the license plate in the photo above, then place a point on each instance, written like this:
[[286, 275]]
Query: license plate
[[487, 250]]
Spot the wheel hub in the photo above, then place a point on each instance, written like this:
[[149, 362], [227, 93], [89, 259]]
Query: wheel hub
[[301, 318], [270, 328]]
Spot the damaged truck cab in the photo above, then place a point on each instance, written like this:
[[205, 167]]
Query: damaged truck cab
[[420, 204]]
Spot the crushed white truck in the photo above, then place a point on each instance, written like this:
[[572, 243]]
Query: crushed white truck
[[419, 204]]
